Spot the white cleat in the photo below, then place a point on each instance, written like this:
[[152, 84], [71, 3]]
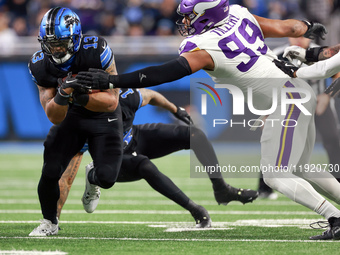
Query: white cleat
[[91, 195], [46, 228]]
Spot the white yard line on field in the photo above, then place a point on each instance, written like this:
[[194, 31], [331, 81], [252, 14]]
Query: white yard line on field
[[188, 226], [15, 252], [162, 212], [147, 202], [172, 239]]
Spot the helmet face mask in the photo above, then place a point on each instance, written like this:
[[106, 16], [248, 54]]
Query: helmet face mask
[[60, 34], [201, 15], [58, 48], [184, 28]]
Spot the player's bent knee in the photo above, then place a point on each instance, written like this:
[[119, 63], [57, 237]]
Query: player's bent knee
[[197, 135], [106, 176]]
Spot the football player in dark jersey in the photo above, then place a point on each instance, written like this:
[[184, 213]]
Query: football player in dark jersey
[[95, 118], [149, 141]]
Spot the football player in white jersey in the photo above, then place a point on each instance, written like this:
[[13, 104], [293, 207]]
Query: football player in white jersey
[[228, 43], [325, 120]]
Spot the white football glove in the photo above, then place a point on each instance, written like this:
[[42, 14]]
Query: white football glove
[[295, 52]]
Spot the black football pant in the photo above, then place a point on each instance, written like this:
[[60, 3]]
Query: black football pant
[[103, 132], [136, 167], [157, 140]]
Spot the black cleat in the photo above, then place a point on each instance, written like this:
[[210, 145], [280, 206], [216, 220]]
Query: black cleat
[[332, 233], [229, 193], [201, 217]]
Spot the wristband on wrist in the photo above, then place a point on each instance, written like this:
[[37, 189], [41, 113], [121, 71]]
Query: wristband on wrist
[[308, 24], [112, 80], [61, 98], [62, 92], [312, 54]]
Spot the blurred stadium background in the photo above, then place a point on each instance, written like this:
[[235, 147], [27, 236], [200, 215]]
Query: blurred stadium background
[[140, 33]]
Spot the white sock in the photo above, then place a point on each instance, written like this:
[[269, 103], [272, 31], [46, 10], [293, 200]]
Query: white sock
[[327, 210]]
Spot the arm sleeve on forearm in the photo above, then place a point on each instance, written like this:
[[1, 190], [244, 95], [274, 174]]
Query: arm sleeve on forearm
[[153, 75], [322, 69]]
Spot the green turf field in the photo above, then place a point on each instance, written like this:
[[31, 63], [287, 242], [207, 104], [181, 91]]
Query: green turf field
[[133, 219]]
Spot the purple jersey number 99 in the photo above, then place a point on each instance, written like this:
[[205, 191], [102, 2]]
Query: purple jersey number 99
[[251, 39]]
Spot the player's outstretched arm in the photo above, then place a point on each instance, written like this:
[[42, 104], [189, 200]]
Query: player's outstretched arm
[[320, 70], [146, 77], [67, 179], [328, 52], [291, 28], [186, 64], [154, 98], [313, 54], [329, 67]]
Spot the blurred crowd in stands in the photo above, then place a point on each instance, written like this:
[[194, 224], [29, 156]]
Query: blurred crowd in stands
[[151, 17]]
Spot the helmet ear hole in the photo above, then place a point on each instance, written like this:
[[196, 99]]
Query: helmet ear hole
[[204, 21]]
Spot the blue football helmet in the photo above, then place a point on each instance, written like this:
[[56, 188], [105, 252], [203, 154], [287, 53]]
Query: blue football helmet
[[60, 34]]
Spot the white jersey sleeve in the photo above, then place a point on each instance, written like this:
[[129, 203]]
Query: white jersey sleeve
[[322, 69], [237, 47]]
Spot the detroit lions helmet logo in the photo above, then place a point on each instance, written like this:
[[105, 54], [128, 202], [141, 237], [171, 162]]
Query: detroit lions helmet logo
[[71, 20]]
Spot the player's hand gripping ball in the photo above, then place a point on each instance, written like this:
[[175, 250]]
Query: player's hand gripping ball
[[71, 81]]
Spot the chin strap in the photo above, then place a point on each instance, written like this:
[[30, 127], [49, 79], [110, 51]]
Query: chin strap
[[63, 59]]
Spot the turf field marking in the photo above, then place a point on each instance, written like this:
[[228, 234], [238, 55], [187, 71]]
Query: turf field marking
[[193, 229], [172, 239], [15, 252], [140, 193], [301, 223], [165, 223], [162, 212], [267, 223], [148, 202]]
